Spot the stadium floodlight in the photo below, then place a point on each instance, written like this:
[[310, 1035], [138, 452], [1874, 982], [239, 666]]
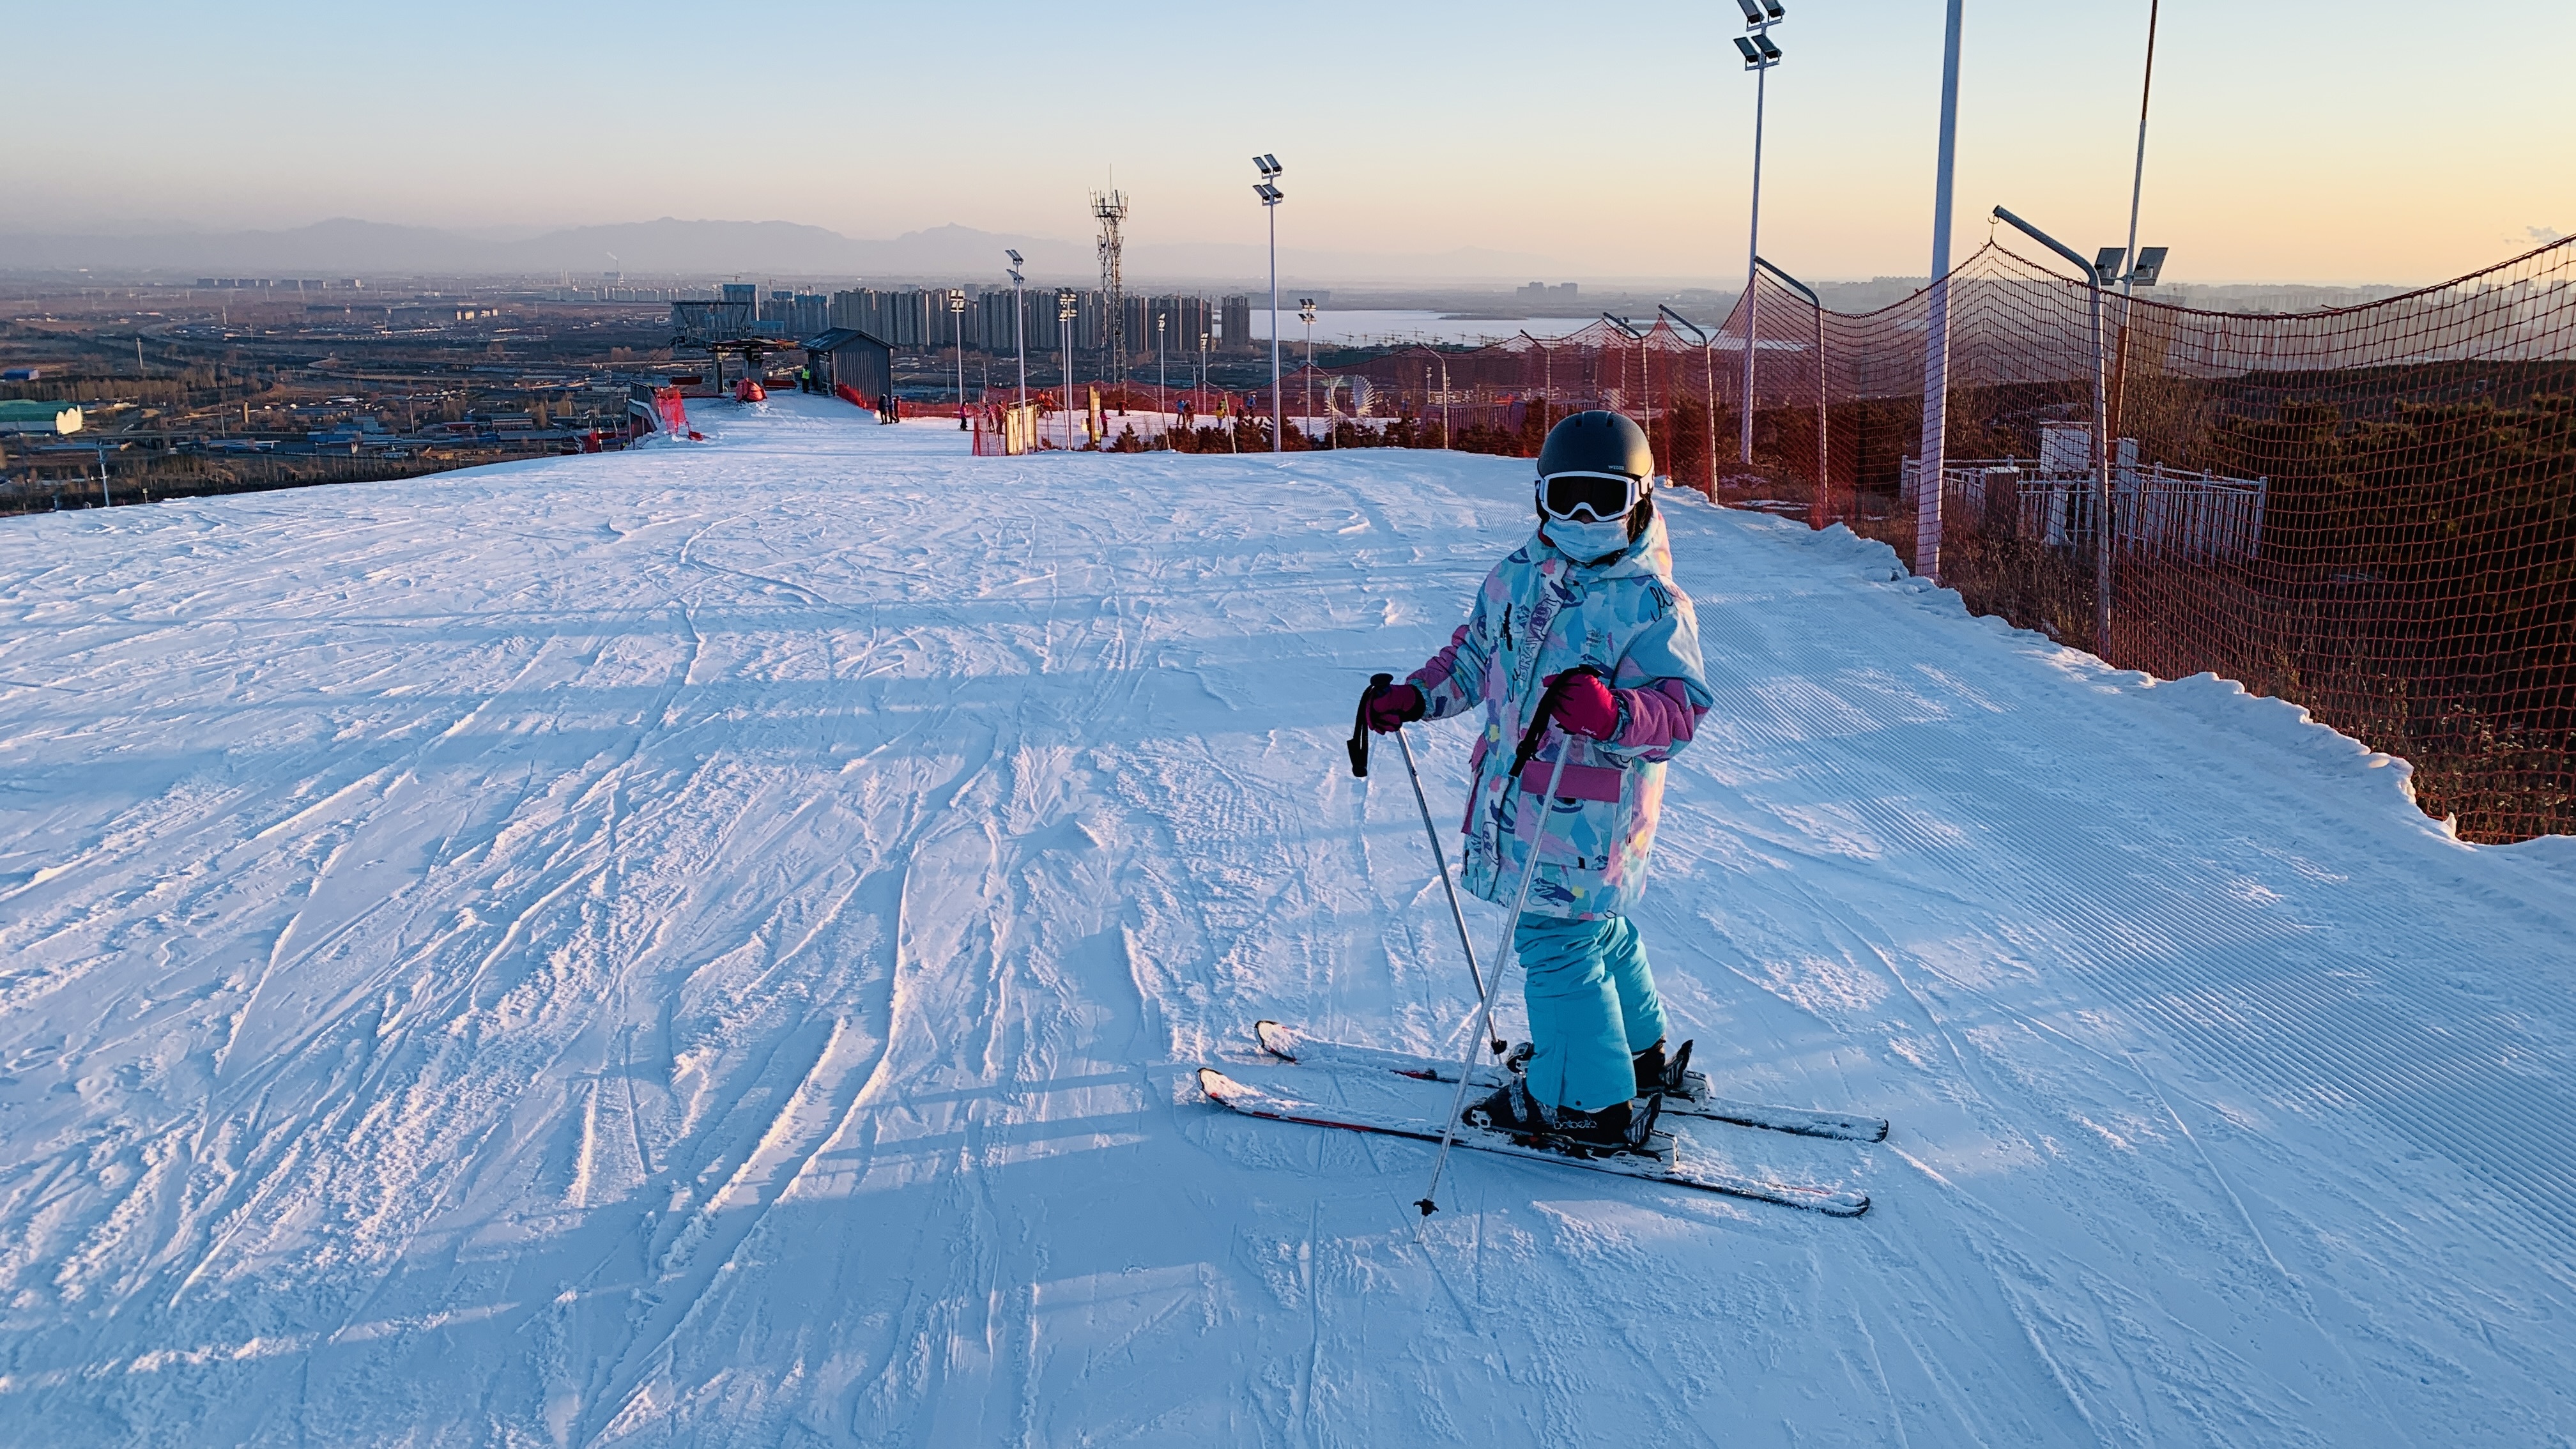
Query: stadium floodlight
[[1306, 314], [1760, 54], [1019, 323], [957, 333], [1067, 307], [1271, 196], [1933, 439], [2102, 522], [2137, 260], [2151, 260], [2108, 261]]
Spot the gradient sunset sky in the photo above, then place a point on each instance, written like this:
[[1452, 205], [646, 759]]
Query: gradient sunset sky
[[2291, 140]]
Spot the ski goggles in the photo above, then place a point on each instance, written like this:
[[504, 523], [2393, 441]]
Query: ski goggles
[[1598, 497]]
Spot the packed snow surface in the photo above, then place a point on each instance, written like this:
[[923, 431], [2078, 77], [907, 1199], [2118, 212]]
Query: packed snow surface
[[709, 945]]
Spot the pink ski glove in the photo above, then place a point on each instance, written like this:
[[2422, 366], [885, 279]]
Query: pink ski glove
[[1584, 706], [1399, 706]]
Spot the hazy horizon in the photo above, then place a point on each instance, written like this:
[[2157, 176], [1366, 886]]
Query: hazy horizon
[[2307, 143], [167, 255]]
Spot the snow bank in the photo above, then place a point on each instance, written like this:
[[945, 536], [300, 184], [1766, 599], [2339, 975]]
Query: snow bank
[[707, 945]]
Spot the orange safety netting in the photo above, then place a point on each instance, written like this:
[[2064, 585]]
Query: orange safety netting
[[2370, 511]]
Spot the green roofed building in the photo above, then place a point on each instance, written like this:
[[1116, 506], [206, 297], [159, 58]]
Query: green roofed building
[[39, 417]]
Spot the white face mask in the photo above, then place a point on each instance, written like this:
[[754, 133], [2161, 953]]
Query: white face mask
[[1587, 542]]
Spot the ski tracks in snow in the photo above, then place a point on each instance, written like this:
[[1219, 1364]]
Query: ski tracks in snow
[[707, 944]]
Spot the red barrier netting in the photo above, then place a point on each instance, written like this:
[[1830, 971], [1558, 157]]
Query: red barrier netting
[[2370, 511]]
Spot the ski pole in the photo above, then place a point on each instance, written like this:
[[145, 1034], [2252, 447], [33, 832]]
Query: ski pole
[[1530, 743], [1359, 742], [1441, 859], [1380, 684]]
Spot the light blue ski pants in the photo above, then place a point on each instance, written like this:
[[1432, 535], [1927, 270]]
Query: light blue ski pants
[[1592, 1007]]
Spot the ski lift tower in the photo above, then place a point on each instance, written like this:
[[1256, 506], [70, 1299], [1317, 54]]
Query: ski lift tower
[[1111, 208]]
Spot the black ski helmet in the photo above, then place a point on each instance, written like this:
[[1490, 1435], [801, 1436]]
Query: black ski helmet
[[1601, 441], [1597, 442]]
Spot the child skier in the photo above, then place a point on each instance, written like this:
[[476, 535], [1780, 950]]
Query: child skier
[[1588, 603]]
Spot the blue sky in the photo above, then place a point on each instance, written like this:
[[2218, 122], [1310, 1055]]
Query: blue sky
[[2302, 141]]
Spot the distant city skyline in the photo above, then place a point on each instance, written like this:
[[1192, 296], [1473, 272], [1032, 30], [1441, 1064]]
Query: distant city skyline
[[2295, 142]]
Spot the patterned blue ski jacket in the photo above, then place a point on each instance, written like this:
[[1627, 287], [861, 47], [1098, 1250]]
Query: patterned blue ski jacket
[[1538, 614]]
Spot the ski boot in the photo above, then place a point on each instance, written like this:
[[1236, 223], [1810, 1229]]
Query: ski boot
[[1656, 1074], [1509, 1109], [1619, 1127]]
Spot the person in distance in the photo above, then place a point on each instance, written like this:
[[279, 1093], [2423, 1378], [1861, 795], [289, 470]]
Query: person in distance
[[1586, 615]]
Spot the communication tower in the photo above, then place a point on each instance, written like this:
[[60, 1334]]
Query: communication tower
[[1111, 208]]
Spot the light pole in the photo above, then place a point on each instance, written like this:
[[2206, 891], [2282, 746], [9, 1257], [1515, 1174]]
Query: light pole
[[1306, 314], [1816, 505], [1443, 359], [1020, 324], [1162, 390], [957, 333], [2101, 438], [1708, 381], [1064, 310], [1759, 56], [1933, 449], [2137, 190], [1271, 196]]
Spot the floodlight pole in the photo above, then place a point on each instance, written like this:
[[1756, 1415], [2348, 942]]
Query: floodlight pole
[[1162, 388], [1752, 312], [2137, 189], [1065, 307], [1936, 319], [1708, 381], [957, 334], [1271, 196], [1020, 326], [2101, 436], [1816, 505], [1760, 64], [1306, 312]]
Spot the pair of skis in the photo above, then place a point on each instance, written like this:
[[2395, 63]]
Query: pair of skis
[[1658, 1159], [1661, 1161]]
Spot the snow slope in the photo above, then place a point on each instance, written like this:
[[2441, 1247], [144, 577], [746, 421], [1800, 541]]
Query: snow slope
[[707, 946]]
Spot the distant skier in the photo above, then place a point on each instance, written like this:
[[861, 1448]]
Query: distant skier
[[1591, 590]]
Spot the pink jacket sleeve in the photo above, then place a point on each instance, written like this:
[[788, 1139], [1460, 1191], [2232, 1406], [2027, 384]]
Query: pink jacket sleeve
[[1658, 717]]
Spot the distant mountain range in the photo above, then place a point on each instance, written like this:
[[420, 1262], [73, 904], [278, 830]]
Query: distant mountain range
[[703, 249]]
